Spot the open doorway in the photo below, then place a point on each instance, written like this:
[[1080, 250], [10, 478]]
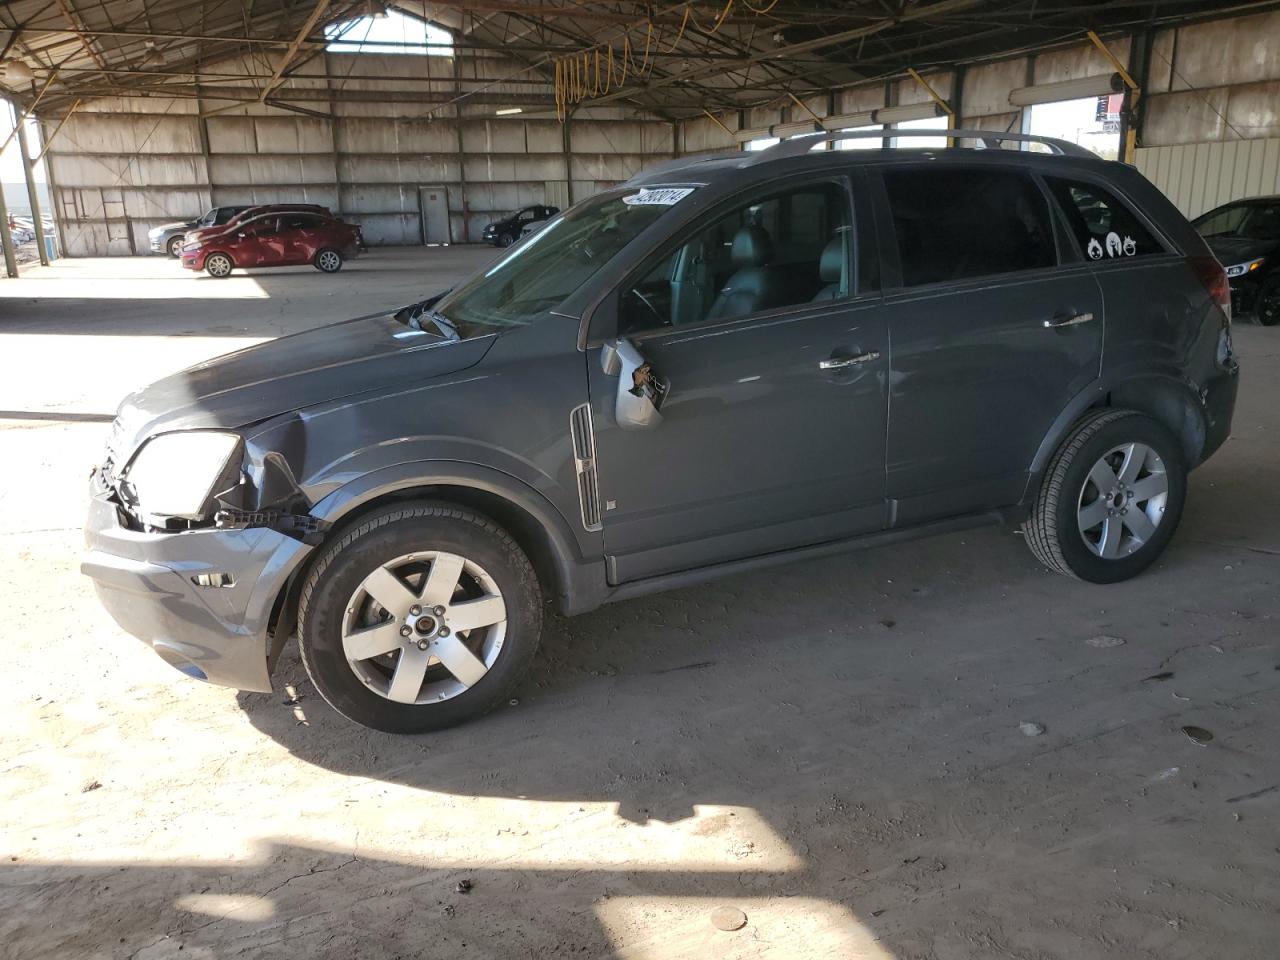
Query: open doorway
[[1091, 122]]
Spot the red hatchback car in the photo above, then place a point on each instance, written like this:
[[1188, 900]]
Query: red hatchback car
[[275, 240]]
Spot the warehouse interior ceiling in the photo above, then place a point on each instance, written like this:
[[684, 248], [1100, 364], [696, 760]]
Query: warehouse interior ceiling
[[672, 61]]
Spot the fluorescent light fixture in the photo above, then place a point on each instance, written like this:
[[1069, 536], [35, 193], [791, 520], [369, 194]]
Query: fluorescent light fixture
[[508, 111]]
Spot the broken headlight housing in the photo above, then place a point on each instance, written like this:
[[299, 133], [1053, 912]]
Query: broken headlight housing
[[175, 475]]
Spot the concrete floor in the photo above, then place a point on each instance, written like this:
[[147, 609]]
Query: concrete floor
[[832, 748]]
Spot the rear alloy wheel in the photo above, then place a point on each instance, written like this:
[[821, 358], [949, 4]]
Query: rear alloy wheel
[[329, 261], [218, 265], [1111, 498], [1268, 305], [419, 618], [175, 247]]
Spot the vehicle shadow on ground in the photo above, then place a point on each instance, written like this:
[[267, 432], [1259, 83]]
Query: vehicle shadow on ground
[[832, 747], [869, 709]]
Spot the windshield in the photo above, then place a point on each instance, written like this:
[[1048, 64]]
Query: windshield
[[551, 264]]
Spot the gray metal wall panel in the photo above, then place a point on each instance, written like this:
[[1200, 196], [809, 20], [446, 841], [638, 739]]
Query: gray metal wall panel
[[1200, 176]]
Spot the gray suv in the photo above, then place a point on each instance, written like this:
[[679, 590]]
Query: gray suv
[[727, 362]]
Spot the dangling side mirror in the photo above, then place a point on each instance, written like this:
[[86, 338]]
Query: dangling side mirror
[[640, 390]]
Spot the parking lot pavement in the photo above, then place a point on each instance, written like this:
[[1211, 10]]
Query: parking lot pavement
[[833, 748]]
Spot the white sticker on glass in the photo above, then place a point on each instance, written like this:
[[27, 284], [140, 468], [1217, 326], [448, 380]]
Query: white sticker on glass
[[1114, 244], [663, 196], [1130, 248], [1095, 249]]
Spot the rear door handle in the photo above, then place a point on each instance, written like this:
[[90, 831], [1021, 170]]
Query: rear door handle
[[1067, 319], [839, 363]]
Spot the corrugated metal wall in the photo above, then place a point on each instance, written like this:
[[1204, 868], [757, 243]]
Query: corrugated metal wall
[[1200, 176], [122, 166], [1206, 82]]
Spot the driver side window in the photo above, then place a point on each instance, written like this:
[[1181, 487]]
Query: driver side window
[[781, 250]]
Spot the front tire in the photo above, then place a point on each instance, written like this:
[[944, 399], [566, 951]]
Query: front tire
[[218, 265], [1267, 306], [421, 617], [175, 247], [1111, 498]]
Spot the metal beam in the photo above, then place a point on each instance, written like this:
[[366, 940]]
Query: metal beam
[[33, 198], [292, 50]]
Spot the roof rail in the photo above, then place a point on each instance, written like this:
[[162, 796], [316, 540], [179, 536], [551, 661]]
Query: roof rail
[[990, 139]]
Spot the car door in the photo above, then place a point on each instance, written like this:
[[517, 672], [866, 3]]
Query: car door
[[301, 236], [773, 360], [993, 334], [257, 242]]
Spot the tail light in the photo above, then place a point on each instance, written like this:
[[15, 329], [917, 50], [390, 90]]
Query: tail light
[[1214, 278]]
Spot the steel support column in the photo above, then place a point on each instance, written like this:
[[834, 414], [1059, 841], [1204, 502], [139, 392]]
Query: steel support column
[[28, 168]]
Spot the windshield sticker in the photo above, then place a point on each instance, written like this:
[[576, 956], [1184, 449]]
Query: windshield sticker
[[662, 197]]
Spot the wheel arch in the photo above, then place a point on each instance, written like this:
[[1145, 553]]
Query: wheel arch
[[541, 531], [1165, 399]]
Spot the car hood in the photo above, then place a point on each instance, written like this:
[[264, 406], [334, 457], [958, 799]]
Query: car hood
[[263, 381], [176, 225], [1233, 250], [207, 233]]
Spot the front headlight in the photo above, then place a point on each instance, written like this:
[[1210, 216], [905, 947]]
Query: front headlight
[[175, 474], [1240, 269]]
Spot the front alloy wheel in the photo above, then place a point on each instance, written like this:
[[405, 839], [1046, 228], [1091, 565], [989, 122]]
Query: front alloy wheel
[[218, 265], [175, 247], [422, 616], [424, 627]]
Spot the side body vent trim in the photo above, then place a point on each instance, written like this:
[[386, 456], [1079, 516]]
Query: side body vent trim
[[584, 464]]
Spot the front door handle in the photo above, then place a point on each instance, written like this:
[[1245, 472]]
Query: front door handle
[[1068, 319], [839, 363]]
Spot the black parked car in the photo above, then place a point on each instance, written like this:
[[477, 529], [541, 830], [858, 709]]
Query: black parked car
[[727, 362], [504, 232], [1245, 237], [168, 238]]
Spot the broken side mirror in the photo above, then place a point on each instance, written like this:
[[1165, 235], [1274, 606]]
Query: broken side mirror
[[640, 389]]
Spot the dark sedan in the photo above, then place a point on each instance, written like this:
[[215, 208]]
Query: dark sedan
[[504, 232], [1245, 237]]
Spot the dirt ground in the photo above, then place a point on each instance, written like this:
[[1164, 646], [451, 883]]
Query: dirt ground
[[833, 748]]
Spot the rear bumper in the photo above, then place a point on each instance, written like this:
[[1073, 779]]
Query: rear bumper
[[145, 582], [1218, 397]]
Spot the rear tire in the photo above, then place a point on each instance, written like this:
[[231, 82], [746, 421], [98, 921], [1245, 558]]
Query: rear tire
[[1110, 499], [218, 265], [328, 261], [461, 672]]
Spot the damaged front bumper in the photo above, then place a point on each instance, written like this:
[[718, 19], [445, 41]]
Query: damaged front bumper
[[206, 600]]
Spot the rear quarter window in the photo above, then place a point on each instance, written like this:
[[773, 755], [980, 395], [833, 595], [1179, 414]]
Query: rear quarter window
[[1103, 226]]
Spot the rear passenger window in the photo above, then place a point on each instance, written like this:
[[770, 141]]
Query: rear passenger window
[[960, 224], [778, 251], [1104, 228]]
